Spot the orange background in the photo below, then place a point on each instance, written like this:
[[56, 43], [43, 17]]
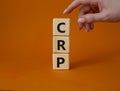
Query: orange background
[[26, 50]]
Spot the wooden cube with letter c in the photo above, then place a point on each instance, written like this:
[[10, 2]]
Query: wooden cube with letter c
[[61, 26]]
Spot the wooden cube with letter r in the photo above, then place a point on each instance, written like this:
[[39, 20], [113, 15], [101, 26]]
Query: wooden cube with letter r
[[61, 44]]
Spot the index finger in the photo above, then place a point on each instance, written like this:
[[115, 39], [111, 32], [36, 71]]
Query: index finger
[[75, 4]]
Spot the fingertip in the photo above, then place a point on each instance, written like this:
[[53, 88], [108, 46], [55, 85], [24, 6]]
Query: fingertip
[[91, 26], [80, 26], [65, 11], [81, 20], [87, 27]]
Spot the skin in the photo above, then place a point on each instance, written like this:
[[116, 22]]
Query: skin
[[95, 11]]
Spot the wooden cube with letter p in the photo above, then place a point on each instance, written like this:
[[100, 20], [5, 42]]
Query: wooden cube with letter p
[[61, 43], [60, 61]]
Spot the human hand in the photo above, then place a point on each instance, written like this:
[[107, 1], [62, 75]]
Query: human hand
[[95, 11]]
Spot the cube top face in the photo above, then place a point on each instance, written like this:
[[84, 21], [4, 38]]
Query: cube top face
[[61, 61], [61, 26], [61, 44]]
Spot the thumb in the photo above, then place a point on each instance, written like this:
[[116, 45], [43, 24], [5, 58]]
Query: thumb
[[90, 18]]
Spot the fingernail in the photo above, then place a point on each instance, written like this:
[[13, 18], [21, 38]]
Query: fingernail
[[65, 11], [87, 28], [81, 20]]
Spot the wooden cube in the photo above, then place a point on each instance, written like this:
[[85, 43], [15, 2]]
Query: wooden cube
[[61, 44], [61, 26], [60, 61]]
